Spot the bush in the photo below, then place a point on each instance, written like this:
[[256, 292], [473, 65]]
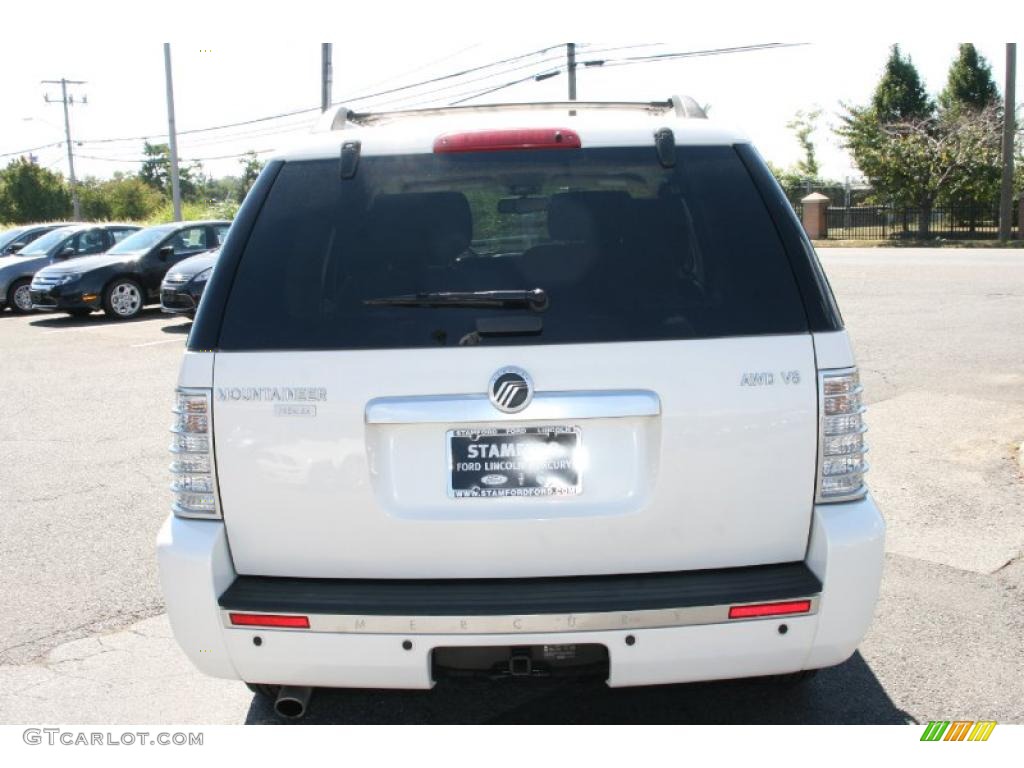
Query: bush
[[123, 198]]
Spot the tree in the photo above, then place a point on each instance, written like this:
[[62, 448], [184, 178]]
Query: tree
[[940, 158], [156, 172], [969, 84], [251, 167], [124, 198], [29, 193], [900, 94], [918, 155], [803, 126]]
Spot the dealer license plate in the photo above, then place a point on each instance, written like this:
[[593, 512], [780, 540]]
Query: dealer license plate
[[513, 461]]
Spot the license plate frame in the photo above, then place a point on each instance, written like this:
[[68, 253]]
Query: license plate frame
[[523, 478]]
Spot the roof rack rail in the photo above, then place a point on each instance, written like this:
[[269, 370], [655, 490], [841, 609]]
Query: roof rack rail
[[339, 117]]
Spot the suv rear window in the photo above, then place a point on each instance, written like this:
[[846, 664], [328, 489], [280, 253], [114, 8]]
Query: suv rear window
[[625, 250]]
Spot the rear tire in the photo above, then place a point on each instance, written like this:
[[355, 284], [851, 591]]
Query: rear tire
[[18, 298], [264, 689], [123, 299]]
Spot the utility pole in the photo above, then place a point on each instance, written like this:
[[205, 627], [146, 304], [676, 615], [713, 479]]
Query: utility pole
[[570, 53], [66, 101], [326, 76], [173, 136], [1009, 109]]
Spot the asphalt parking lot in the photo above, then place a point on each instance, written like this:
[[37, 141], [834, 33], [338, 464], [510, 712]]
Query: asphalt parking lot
[[84, 408]]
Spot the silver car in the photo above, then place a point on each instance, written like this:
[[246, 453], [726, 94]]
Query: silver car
[[16, 271]]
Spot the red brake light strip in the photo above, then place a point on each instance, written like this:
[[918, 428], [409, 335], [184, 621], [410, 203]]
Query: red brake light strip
[[769, 609], [507, 139]]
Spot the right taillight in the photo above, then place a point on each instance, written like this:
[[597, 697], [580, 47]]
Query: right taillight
[[841, 445], [193, 473]]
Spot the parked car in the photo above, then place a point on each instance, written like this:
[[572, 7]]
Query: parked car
[[13, 240], [550, 387], [183, 286], [127, 277], [58, 246]]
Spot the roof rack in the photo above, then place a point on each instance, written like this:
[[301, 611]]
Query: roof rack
[[339, 117]]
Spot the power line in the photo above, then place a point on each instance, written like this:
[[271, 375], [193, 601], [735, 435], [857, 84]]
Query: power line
[[32, 149], [630, 60], [312, 110], [417, 99], [183, 159]]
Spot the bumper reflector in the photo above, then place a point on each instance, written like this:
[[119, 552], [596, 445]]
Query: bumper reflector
[[269, 620], [769, 609]]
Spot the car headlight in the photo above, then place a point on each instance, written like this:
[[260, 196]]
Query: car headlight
[[203, 276], [65, 279]]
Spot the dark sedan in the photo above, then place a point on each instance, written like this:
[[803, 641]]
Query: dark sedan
[[183, 287], [127, 277]]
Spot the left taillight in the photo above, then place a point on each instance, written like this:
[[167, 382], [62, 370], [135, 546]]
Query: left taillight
[[193, 472], [841, 446]]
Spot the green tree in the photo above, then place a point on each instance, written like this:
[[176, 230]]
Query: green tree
[[917, 155], [251, 167], [29, 193], [969, 84], [900, 94], [943, 158], [803, 126], [123, 198], [156, 172]]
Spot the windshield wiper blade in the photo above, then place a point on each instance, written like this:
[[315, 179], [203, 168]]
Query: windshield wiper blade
[[536, 299]]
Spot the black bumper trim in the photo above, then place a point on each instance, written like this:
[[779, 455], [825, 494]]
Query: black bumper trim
[[497, 597]]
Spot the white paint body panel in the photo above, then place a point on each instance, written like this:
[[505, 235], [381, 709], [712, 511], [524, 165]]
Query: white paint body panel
[[846, 552], [722, 477], [833, 350]]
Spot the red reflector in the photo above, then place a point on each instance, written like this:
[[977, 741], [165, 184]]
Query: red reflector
[[769, 609], [268, 620], [513, 138]]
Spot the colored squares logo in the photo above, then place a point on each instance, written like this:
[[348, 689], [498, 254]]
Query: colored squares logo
[[958, 730]]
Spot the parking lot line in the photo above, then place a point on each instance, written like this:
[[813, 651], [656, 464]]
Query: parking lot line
[[153, 343]]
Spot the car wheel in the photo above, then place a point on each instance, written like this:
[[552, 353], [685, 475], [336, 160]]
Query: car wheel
[[264, 689], [18, 298], [123, 299]]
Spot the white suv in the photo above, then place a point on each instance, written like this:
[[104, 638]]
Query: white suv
[[519, 389]]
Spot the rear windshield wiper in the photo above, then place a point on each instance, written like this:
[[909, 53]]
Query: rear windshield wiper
[[536, 299]]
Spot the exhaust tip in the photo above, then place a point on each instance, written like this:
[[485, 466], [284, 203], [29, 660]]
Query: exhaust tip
[[292, 702]]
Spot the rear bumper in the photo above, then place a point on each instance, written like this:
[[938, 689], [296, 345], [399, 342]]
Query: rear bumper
[[349, 645]]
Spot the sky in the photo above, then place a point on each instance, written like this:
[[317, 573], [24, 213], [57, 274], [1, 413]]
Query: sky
[[229, 74]]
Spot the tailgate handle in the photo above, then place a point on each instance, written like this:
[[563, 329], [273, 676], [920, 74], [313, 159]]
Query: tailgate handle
[[546, 406]]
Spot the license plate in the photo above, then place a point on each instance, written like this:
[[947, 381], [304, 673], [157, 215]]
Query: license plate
[[513, 461]]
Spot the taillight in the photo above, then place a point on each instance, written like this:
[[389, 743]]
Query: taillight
[[193, 474], [841, 445]]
